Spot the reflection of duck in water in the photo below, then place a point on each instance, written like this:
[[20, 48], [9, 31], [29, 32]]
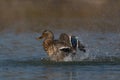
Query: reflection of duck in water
[[58, 50]]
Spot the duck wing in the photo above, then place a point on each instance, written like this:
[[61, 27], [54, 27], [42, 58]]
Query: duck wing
[[72, 41], [62, 46], [81, 46], [64, 38], [76, 44], [65, 49]]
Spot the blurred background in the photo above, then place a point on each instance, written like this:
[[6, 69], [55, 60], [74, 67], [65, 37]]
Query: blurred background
[[36, 15]]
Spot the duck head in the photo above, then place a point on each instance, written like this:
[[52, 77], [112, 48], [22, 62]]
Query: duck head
[[46, 34]]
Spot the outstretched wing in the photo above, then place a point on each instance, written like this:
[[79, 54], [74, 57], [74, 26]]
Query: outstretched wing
[[72, 41]]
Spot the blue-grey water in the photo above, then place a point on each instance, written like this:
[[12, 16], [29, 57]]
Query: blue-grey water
[[21, 57]]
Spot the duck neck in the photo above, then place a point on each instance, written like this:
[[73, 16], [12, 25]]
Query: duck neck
[[48, 41]]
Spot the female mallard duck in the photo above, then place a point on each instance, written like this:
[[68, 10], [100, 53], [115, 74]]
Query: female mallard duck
[[56, 49]]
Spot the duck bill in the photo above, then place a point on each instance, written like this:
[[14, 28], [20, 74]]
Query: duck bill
[[38, 38]]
